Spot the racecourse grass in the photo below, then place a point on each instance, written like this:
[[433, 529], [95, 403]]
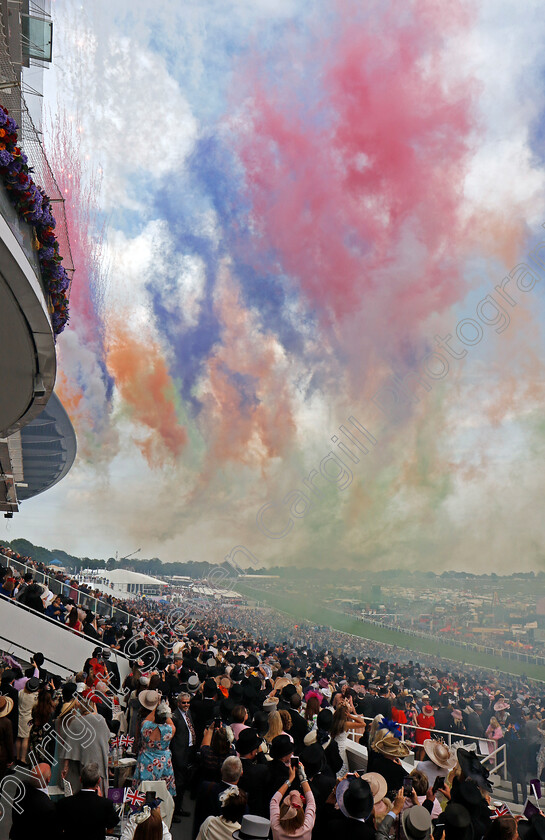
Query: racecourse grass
[[299, 608]]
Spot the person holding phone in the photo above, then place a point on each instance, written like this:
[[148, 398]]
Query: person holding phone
[[423, 795], [290, 816]]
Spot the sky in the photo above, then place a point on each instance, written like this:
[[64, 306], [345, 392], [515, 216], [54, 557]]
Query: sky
[[306, 318]]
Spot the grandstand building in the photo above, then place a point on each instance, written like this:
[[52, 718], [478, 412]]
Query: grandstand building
[[37, 441]]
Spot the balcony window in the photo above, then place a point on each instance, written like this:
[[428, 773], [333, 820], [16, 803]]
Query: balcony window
[[37, 37]]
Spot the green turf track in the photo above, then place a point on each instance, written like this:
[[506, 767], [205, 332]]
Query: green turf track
[[300, 609]]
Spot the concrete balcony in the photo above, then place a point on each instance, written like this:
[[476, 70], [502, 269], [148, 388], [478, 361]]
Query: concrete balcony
[[27, 343]]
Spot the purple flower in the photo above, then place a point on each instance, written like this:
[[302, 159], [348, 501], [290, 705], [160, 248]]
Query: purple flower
[[5, 157]]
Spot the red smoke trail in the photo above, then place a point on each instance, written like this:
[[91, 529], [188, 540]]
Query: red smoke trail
[[145, 386], [358, 191]]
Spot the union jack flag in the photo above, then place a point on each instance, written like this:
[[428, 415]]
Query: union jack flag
[[114, 742], [134, 798], [123, 740], [129, 742], [501, 811]]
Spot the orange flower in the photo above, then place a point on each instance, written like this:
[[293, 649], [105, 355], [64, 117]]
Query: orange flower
[[2, 145], [2, 132]]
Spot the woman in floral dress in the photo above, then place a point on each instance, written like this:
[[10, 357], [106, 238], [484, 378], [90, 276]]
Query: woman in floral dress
[[154, 761]]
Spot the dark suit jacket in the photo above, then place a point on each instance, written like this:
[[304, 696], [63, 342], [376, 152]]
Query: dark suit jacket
[[254, 779], [299, 729], [39, 817], [382, 706], [179, 746], [321, 786], [443, 719], [392, 772], [355, 830], [333, 757], [208, 803], [85, 816]]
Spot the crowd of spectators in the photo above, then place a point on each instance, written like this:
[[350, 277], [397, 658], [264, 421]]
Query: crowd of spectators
[[251, 717]]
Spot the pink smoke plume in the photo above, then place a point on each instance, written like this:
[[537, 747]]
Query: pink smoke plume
[[357, 191]]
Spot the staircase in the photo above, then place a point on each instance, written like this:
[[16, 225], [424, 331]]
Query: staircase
[[24, 631]]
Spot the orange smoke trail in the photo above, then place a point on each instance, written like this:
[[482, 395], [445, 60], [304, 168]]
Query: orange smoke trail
[[145, 385], [69, 394], [254, 427]]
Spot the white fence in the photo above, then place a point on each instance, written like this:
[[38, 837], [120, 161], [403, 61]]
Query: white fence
[[495, 758]]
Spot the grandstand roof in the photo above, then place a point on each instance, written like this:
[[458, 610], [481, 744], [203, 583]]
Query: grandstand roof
[[126, 576], [48, 446]]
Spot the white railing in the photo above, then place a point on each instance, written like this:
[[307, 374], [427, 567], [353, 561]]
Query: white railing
[[497, 758], [531, 658], [58, 587]]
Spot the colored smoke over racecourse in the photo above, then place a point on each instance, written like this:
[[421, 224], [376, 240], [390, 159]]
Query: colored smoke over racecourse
[[275, 208]]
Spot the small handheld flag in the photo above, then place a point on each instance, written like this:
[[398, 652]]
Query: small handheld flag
[[134, 798]]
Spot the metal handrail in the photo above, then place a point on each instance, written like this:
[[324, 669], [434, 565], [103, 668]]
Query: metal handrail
[[499, 765], [96, 642], [450, 737], [58, 587]]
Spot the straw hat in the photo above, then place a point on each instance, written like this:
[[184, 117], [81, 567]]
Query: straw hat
[[149, 699], [66, 708], [440, 754], [391, 746], [6, 705], [378, 785]]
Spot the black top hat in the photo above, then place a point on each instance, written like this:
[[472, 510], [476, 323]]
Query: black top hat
[[281, 746], [457, 822], [313, 758], [355, 799], [324, 719], [68, 691], [247, 741], [288, 691]]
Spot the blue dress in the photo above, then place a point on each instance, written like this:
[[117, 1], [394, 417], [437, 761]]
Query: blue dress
[[154, 761]]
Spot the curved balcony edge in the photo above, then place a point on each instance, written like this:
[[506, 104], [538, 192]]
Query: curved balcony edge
[[27, 344]]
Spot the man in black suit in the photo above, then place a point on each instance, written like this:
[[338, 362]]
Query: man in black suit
[[299, 726], [208, 801], [382, 704], [38, 817], [86, 815], [183, 749], [321, 781], [112, 669], [254, 771], [443, 716]]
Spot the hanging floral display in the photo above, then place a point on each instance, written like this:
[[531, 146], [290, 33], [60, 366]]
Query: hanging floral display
[[33, 205]]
